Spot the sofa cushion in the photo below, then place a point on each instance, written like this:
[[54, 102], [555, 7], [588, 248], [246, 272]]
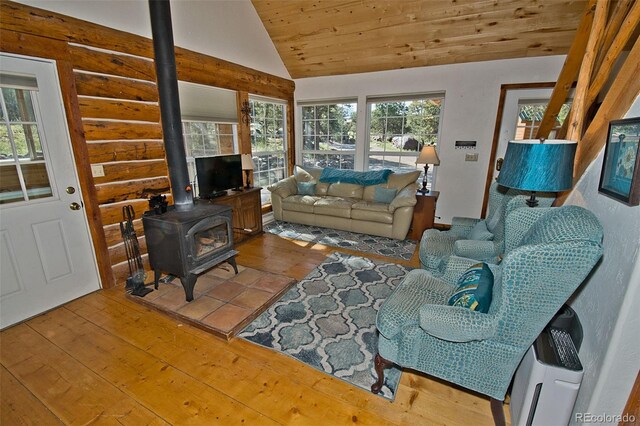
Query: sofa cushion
[[334, 206], [372, 212], [400, 180], [345, 190], [372, 177], [306, 188], [475, 288], [384, 195], [300, 203]]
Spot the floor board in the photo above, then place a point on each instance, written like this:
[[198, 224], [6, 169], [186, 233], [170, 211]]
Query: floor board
[[103, 358]]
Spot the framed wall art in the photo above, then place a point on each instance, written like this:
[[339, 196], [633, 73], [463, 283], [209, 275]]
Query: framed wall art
[[620, 176]]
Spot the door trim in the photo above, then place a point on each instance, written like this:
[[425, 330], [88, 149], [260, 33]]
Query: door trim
[[496, 132]]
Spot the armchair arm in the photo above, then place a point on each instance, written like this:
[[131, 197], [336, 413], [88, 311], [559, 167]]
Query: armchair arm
[[406, 197], [480, 250], [456, 324], [284, 187]]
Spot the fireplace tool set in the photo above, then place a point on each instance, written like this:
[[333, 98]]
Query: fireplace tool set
[[135, 281]]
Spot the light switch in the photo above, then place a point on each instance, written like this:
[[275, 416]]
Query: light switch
[[97, 170], [471, 157]]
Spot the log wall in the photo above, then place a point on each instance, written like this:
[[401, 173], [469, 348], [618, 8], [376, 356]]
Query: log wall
[[109, 90]]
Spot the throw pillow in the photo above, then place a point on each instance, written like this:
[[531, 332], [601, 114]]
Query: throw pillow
[[479, 232], [306, 188], [400, 180], [384, 195], [302, 175], [474, 289]]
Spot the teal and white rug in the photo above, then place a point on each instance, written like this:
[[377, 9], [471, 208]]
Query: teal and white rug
[[399, 249], [328, 320]]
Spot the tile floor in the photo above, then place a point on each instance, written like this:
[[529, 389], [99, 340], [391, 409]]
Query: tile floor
[[224, 303]]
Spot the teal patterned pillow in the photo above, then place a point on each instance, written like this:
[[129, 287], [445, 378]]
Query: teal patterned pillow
[[306, 188], [384, 195], [474, 289]]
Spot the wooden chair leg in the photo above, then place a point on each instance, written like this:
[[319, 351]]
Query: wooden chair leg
[[497, 410], [380, 364]]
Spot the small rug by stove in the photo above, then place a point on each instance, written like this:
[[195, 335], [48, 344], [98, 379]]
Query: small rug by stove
[[328, 320], [399, 249]]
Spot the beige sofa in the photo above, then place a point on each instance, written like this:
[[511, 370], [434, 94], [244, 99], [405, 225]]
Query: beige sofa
[[346, 206]]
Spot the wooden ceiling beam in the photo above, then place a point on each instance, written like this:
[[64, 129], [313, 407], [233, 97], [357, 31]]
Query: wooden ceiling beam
[[618, 15], [624, 33], [569, 71], [623, 92], [579, 105]]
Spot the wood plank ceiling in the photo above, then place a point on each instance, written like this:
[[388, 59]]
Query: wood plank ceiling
[[331, 37]]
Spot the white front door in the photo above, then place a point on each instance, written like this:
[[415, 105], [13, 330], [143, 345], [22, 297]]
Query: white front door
[[46, 256], [522, 112]]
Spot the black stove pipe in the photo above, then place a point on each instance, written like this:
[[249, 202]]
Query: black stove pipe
[[165, 61]]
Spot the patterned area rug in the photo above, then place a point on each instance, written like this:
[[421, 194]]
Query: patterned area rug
[[328, 320], [399, 249]]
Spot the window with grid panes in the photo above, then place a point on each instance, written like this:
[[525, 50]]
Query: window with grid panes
[[329, 134], [207, 139], [23, 169], [530, 113], [398, 129], [268, 143]]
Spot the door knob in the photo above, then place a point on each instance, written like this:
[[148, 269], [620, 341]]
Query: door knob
[[74, 206], [71, 190], [499, 164]]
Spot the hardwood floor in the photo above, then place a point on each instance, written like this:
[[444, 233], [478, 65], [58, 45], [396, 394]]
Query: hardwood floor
[[104, 359]]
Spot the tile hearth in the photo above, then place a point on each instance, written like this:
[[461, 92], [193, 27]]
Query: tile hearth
[[224, 303]]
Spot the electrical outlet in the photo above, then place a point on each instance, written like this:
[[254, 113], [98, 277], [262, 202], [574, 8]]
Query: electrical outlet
[[471, 157], [97, 170]]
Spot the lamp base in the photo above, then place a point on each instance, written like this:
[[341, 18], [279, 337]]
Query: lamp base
[[532, 202], [246, 174], [424, 189]]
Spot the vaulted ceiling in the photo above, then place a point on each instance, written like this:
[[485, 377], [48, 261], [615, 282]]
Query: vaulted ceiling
[[330, 37]]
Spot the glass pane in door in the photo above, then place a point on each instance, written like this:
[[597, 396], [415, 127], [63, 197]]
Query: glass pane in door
[[23, 168]]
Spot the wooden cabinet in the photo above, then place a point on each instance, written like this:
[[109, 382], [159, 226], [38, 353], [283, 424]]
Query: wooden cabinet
[[423, 214], [247, 212]]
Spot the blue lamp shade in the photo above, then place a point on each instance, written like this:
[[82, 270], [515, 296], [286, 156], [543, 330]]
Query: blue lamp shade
[[540, 166]]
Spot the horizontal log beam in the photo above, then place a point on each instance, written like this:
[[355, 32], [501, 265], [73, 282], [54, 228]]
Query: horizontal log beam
[[118, 253], [104, 152], [112, 63], [128, 170], [104, 86], [133, 189], [118, 109], [97, 130], [113, 235]]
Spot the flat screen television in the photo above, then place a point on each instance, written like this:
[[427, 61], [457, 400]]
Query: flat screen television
[[217, 174]]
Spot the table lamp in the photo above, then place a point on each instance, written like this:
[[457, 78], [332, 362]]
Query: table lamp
[[247, 166], [538, 165], [428, 155]]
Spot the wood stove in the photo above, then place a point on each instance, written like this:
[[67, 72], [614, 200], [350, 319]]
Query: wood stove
[[187, 243]]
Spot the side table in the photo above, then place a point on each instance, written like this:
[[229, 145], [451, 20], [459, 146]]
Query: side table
[[423, 214]]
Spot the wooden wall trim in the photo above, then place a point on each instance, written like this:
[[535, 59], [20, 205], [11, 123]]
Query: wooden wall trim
[[83, 167], [496, 133]]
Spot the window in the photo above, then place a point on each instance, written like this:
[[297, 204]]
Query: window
[[329, 134], [530, 115], [206, 139], [268, 143], [23, 170], [398, 129]]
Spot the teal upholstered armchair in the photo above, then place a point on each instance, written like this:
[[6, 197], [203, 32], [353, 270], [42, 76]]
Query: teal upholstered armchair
[[551, 254], [480, 239]]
